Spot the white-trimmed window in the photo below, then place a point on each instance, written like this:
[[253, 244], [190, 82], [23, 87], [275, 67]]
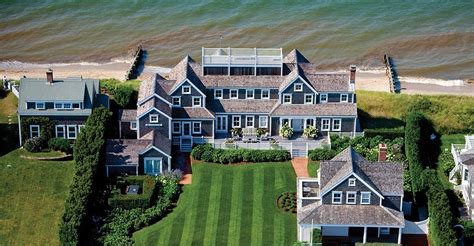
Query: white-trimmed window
[[337, 197], [176, 127], [71, 131], [40, 105], [60, 131], [186, 89], [365, 197], [249, 94], [133, 125], [352, 182], [35, 131], [58, 106], [263, 121], [67, 105], [265, 94], [325, 123], [234, 94], [287, 98], [384, 231], [218, 93], [154, 118], [323, 98], [79, 128], [351, 197], [196, 127], [236, 121], [196, 101], [298, 87], [344, 98], [249, 120], [308, 98], [336, 124], [152, 165], [176, 101]]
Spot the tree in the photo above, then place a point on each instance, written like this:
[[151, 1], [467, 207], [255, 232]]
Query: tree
[[123, 95]]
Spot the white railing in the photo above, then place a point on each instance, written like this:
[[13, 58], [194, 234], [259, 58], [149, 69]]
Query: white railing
[[14, 89], [194, 140], [242, 56], [455, 151], [259, 145]]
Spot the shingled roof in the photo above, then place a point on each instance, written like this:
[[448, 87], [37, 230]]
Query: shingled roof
[[241, 106], [196, 113], [124, 151], [326, 109], [295, 56], [328, 214]]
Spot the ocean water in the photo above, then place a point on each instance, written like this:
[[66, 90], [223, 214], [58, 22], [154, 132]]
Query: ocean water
[[433, 39]]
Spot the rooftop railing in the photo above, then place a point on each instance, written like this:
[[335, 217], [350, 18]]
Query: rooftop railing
[[234, 57]]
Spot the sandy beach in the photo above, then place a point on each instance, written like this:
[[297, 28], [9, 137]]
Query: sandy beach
[[371, 80]]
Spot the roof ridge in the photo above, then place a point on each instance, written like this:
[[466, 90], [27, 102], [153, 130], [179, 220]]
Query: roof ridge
[[391, 214]]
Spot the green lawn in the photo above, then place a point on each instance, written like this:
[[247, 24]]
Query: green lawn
[[229, 205], [449, 114], [25, 153], [447, 140], [313, 167], [8, 107], [32, 198]]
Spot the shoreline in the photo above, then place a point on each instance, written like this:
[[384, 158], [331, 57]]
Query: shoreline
[[367, 79]]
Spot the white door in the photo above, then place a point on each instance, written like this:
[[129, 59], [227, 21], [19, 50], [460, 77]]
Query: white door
[[221, 123], [186, 131]]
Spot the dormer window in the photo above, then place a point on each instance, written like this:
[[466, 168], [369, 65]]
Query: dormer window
[[234, 94], [76, 105], [323, 98], [298, 87], [337, 197], [265, 94], [352, 182], [67, 106], [40, 105], [154, 118], [344, 98], [249, 94], [218, 93], [186, 89]]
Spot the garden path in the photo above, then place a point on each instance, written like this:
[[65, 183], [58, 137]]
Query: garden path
[[184, 163], [300, 164]]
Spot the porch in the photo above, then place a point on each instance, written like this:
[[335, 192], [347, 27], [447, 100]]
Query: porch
[[340, 235]]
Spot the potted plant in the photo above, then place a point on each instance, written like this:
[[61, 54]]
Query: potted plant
[[310, 132], [261, 132], [236, 132], [286, 131]]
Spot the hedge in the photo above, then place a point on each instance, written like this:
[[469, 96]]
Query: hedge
[[441, 216], [143, 200], [87, 156], [386, 133], [321, 154], [413, 152], [224, 156]]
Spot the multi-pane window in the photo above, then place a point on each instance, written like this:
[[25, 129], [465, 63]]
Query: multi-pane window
[[35, 131], [286, 98], [337, 197], [236, 121], [186, 89], [154, 118], [249, 94], [325, 123], [266, 94], [176, 101], [249, 121], [40, 105], [352, 182], [351, 197], [218, 93], [365, 198], [152, 166], [71, 132], [197, 127], [298, 87], [344, 98], [308, 99], [323, 98], [176, 127], [67, 105], [336, 124], [263, 121], [196, 101], [234, 94], [60, 131]]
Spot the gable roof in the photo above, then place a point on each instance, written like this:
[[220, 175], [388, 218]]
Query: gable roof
[[384, 178], [295, 56], [124, 151], [241, 106], [153, 87], [196, 113], [182, 72], [325, 109]]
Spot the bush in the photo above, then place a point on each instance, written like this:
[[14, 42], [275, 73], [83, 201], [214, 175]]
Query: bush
[[321, 154], [59, 144], [224, 156], [386, 133], [143, 200], [123, 95], [446, 162], [34, 144], [46, 127]]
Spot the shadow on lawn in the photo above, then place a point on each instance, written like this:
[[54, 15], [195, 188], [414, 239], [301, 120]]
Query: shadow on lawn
[[368, 121], [8, 138]]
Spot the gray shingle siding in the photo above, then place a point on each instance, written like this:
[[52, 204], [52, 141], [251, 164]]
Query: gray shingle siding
[[126, 132], [392, 202], [206, 127], [187, 99], [347, 125], [298, 96], [344, 187], [163, 120]]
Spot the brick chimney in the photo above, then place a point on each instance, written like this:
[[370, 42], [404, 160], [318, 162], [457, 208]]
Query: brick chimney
[[49, 76], [382, 152], [353, 74]]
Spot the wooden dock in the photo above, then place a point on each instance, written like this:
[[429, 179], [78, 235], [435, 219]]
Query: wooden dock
[[137, 57], [391, 72]]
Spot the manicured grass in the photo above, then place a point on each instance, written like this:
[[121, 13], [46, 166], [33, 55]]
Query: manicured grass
[[32, 198], [8, 107], [450, 114], [23, 152], [447, 140], [313, 168], [229, 205]]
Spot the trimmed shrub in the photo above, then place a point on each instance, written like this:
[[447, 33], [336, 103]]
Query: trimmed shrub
[[143, 200], [59, 144], [413, 152], [446, 162], [199, 149], [224, 156], [33, 144], [321, 154]]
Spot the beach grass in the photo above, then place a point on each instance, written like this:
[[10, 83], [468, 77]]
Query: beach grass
[[32, 199], [449, 114], [228, 205], [8, 107]]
